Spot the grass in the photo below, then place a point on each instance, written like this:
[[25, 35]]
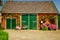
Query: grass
[[3, 35]]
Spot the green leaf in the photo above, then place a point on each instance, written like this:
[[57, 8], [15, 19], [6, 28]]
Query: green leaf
[[0, 3]]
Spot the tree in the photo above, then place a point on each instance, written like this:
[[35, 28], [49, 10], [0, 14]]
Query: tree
[[0, 2]]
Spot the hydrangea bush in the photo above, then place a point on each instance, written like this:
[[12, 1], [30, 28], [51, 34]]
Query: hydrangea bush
[[53, 27]]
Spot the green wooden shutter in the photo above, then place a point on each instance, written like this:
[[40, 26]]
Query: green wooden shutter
[[13, 23], [33, 21], [8, 23], [58, 21], [25, 21]]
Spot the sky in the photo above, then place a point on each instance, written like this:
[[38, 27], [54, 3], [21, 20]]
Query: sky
[[56, 2]]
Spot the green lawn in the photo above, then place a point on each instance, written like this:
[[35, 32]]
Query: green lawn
[[3, 35]]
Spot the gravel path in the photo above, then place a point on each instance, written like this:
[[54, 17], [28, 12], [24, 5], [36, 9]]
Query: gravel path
[[33, 35]]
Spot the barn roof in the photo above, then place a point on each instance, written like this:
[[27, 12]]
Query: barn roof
[[29, 7]]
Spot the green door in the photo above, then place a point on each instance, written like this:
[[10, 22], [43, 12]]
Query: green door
[[25, 21], [58, 21], [8, 23], [11, 23], [33, 21]]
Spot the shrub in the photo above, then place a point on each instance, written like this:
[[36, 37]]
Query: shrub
[[44, 26], [53, 27], [3, 35]]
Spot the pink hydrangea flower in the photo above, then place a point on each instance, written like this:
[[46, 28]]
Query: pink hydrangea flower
[[52, 26], [44, 25], [17, 27]]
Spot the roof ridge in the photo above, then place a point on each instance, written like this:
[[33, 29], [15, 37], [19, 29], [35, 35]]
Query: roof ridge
[[29, 1]]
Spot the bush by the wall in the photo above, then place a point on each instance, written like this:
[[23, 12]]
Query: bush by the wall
[[3, 35]]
